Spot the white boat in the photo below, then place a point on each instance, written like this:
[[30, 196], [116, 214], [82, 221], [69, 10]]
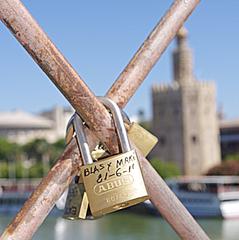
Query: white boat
[[208, 196]]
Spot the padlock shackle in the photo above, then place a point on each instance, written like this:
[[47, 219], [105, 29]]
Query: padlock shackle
[[81, 139], [118, 116], [119, 123], [70, 123], [125, 116]]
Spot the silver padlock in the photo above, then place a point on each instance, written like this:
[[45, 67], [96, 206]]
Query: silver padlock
[[77, 204]]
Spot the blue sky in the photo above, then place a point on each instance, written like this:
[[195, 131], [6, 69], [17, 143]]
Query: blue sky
[[100, 37]]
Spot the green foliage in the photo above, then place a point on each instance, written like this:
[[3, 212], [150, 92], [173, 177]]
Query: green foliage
[[36, 171], [9, 151], [19, 170], [56, 149], [39, 149], [28, 160], [36, 149], [3, 170], [233, 157], [5, 149], [165, 170], [59, 144]]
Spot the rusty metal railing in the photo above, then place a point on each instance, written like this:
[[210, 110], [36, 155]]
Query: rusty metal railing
[[15, 16]]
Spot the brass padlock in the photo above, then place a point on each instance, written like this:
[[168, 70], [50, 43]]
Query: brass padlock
[[77, 204], [142, 138], [116, 182]]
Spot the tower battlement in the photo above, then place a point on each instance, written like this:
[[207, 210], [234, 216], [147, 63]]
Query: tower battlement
[[158, 88], [204, 84]]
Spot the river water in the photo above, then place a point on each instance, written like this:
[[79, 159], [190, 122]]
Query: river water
[[124, 226]]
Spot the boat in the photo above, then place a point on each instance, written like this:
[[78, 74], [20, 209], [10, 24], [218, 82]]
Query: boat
[[203, 196], [199, 194], [208, 196]]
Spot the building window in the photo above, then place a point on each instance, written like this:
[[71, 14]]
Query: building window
[[162, 140], [194, 139]]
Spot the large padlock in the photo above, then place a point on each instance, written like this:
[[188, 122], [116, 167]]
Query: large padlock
[[116, 182], [77, 204]]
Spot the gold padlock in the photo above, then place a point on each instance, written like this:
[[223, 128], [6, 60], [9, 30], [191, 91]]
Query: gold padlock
[[116, 182], [77, 205], [142, 138]]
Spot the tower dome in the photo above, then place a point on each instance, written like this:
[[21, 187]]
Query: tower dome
[[182, 59]]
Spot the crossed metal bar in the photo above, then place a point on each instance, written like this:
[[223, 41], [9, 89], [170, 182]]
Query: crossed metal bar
[[16, 17]]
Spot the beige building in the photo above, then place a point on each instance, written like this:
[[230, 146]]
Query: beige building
[[184, 116], [21, 127]]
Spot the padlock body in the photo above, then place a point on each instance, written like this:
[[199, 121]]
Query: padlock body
[[143, 139], [76, 202], [114, 183]]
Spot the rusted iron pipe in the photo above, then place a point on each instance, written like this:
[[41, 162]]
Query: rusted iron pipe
[[150, 51], [43, 199], [25, 214], [26, 30], [168, 204]]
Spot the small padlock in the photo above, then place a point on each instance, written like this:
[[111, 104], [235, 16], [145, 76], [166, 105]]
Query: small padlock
[[116, 182], [144, 140], [77, 204]]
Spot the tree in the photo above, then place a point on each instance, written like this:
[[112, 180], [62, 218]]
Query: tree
[[165, 170], [9, 151], [30, 160], [38, 155], [36, 149], [3, 170], [56, 149], [234, 157]]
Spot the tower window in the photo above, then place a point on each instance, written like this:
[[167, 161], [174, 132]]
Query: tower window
[[162, 140], [194, 139]]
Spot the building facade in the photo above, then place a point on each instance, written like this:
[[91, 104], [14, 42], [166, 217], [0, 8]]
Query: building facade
[[185, 117], [22, 127], [229, 135]]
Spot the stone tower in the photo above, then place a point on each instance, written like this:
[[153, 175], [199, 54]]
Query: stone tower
[[184, 116]]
